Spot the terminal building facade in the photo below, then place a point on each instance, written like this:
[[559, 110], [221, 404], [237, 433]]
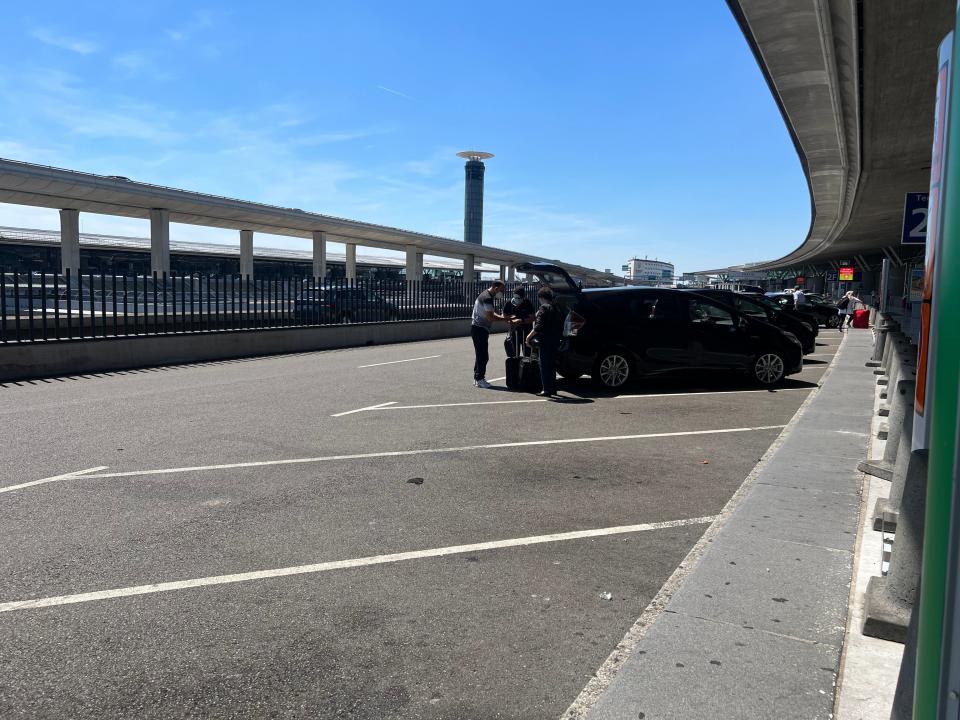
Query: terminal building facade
[[649, 272]]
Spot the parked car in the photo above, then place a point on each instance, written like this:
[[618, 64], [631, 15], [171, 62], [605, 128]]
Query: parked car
[[822, 312], [338, 305], [806, 332], [618, 334]]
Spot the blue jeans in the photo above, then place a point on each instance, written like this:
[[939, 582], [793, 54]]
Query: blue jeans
[[548, 364]]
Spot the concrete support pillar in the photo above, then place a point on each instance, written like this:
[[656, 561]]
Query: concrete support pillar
[[351, 261], [69, 241], [468, 268], [160, 241], [889, 600], [414, 264], [503, 273], [246, 253], [319, 254], [511, 274]]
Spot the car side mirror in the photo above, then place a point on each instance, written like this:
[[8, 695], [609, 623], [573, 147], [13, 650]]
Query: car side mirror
[[742, 323]]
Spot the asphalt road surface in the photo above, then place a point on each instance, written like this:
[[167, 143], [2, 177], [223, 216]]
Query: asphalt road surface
[[349, 534]]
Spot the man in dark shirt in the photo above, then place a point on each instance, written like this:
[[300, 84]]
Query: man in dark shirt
[[548, 329], [483, 317]]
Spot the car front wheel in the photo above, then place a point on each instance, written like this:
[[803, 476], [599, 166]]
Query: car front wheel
[[769, 368], [613, 370], [833, 321]]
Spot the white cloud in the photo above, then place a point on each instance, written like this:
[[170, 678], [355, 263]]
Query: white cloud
[[49, 37], [201, 20], [394, 92]]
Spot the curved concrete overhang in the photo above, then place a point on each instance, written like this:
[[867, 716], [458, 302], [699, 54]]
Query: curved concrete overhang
[[28, 184], [855, 83]]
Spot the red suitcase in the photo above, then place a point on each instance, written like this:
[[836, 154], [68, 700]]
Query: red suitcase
[[861, 318]]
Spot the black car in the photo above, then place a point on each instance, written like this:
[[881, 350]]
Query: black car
[[752, 307], [338, 305], [616, 334], [820, 311]]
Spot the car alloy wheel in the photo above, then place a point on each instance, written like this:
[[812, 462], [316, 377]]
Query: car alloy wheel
[[768, 368], [614, 370], [833, 321]]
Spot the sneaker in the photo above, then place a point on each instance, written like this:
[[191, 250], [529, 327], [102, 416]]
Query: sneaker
[[483, 384]]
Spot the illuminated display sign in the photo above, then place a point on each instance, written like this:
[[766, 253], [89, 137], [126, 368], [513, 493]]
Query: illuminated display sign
[[846, 273]]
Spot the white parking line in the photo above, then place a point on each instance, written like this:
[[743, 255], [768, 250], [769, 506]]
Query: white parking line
[[364, 409], [343, 564], [497, 379], [55, 478], [394, 406], [405, 453], [395, 362]]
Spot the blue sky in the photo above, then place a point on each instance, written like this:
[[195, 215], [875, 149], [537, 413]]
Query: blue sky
[[619, 128]]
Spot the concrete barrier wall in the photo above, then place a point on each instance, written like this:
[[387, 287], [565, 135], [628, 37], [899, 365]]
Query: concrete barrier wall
[[39, 359]]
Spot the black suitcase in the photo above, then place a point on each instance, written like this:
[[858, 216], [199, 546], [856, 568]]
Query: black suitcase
[[513, 373], [530, 375]]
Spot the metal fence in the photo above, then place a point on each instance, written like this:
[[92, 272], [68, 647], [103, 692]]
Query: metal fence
[[38, 307]]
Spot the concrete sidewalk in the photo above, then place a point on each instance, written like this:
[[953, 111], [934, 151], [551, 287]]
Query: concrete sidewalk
[[756, 628]]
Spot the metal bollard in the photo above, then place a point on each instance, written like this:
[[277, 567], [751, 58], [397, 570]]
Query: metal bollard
[[900, 408], [886, 510], [889, 600]]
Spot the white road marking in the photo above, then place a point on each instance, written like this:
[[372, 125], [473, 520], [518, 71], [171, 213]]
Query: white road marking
[[343, 564], [55, 478], [711, 392], [394, 406], [461, 404], [363, 409], [497, 379], [395, 362], [429, 451]]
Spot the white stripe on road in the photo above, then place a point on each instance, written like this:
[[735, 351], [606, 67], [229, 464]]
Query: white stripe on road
[[462, 404], [363, 409], [771, 391], [343, 564], [395, 362], [429, 451], [497, 379], [394, 406], [55, 478]]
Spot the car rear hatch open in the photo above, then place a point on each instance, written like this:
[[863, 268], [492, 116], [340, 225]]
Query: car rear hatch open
[[553, 276]]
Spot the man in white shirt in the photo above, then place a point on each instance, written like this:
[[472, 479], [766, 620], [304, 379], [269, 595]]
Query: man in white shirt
[[483, 317], [799, 297]]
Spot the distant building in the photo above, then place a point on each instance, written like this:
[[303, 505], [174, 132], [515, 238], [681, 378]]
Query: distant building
[[649, 272], [695, 279]]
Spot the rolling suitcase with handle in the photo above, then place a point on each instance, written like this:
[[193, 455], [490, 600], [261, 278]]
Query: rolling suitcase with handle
[[530, 375], [861, 318], [512, 364]]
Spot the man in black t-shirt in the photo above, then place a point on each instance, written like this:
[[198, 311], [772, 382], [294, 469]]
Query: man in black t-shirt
[[548, 328]]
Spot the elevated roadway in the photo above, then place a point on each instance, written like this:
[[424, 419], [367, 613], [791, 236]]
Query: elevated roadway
[[72, 192]]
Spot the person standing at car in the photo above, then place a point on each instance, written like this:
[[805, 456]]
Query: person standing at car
[[483, 316], [799, 296], [521, 314], [548, 329]]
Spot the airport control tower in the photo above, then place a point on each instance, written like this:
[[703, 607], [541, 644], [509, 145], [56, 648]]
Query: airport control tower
[[473, 195]]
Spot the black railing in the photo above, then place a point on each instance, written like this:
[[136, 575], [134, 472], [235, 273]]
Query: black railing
[[38, 307]]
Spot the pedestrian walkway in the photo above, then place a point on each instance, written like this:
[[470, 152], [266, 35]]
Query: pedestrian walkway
[[757, 627]]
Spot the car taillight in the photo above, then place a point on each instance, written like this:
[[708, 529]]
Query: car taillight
[[573, 323]]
